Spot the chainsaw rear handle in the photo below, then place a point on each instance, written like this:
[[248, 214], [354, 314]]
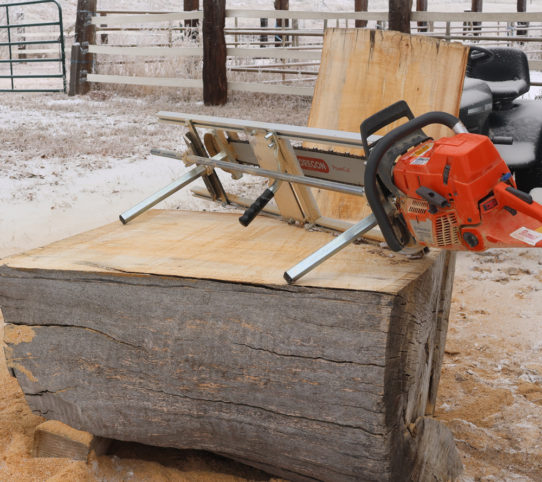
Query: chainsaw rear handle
[[516, 201], [372, 190]]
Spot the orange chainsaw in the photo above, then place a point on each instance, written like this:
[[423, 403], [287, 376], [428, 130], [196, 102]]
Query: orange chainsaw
[[453, 193]]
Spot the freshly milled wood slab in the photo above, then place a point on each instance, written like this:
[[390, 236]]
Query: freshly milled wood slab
[[216, 246]]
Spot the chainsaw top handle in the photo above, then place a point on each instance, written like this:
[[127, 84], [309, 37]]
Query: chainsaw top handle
[[381, 119], [373, 190]]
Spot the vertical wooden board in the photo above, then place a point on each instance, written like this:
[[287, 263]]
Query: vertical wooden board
[[285, 196], [303, 194], [362, 71]]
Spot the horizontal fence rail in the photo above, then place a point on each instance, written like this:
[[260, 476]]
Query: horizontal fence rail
[[270, 53], [108, 17], [198, 83], [116, 19], [277, 51]]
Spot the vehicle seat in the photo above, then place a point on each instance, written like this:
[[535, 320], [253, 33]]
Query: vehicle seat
[[506, 73]]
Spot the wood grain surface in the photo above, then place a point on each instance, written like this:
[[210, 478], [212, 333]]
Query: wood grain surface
[[216, 246]]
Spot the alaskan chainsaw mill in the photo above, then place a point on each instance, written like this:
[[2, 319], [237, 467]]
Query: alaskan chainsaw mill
[[453, 193]]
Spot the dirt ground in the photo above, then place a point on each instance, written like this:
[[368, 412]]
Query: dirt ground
[[72, 164]]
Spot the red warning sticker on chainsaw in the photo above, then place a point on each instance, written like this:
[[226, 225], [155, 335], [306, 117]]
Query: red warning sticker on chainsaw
[[489, 204], [527, 235]]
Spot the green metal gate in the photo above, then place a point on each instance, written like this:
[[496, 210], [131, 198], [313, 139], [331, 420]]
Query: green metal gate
[[57, 38]]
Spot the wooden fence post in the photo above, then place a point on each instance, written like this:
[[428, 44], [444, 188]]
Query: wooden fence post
[[522, 7], [477, 6], [215, 80], [421, 6], [264, 23], [361, 6], [85, 34], [75, 70], [191, 25], [281, 22], [399, 15]]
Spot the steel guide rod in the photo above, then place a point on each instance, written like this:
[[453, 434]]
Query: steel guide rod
[[329, 249], [167, 191], [281, 176], [310, 134], [258, 171]]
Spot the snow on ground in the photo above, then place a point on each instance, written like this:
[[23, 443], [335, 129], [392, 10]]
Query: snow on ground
[[90, 157]]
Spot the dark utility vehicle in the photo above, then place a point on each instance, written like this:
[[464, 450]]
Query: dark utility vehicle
[[490, 105]]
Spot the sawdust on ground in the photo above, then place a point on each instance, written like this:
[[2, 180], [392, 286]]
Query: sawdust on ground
[[490, 392], [491, 388], [127, 461]]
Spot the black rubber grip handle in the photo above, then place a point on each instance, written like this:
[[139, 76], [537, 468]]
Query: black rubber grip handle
[[381, 119], [508, 140], [256, 207], [527, 198]]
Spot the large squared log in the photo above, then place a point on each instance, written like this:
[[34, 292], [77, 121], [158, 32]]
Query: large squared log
[[178, 330]]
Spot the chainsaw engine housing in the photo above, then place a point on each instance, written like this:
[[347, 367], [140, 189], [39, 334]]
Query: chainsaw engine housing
[[448, 195]]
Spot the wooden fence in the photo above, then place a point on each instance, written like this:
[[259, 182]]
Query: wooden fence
[[281, 59]]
